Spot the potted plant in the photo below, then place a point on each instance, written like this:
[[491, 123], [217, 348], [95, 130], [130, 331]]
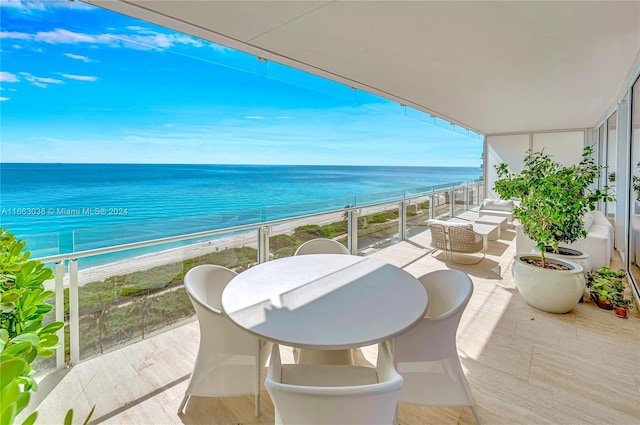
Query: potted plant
[[605, 286], [553, 201], [622, 306]]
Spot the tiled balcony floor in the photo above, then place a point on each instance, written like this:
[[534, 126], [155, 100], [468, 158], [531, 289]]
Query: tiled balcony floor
[[524, 366]]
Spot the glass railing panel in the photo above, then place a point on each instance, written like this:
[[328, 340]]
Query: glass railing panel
[[287, 237], [124, 301], [42, 244], [105, 236], [418, 213], [296, 210], [376, 198], [417, 191], [441, 203], [378, 226], [472, 195], [458, 201]]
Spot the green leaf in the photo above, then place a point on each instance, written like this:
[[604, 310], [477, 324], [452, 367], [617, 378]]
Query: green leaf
[[8, 413], [7, 308], [46, 352], [49, 340], [10, 296], [32, 338], [51, 328], [19, 349], [10, 370], [23, 401], [31, 419], [68, 418], [4, 338], [86, 421]]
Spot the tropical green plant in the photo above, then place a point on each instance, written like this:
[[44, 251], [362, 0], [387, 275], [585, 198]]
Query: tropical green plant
[[23, 334], [623, 302], [553, 198], [606, 285]]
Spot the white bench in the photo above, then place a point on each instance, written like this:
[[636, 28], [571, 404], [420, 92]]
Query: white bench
[[497, 207]]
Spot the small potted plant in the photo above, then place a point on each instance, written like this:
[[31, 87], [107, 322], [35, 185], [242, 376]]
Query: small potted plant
[[621, 306], [606, 286]]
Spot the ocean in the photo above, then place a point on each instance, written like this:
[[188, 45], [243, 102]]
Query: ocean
[[59, 208]]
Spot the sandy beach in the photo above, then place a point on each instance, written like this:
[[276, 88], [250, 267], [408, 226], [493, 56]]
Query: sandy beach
[[173, 255]]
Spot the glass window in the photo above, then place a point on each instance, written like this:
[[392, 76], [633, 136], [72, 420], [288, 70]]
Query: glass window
[[634, 190]]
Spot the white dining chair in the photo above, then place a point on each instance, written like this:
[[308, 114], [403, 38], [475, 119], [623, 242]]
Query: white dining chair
[[309, 356], [229, 360], [321, 246], [426, 356], [334, 394]]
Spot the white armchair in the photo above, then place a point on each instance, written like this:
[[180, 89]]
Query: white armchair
[[321, 246], [334, 394], [426, 356], [229, 360]]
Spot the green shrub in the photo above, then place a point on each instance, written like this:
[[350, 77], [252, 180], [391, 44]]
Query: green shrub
[[23, 335]]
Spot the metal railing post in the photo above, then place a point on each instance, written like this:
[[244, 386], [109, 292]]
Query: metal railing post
[[352, 231], [263, 243], [402, 220], [465, 195], [74, 312], [59, 305], [452, 201], [432, 208]]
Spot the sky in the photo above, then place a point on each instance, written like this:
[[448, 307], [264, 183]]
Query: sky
[[79, 84]]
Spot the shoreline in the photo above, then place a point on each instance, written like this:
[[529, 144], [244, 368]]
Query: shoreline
[[171, 255]]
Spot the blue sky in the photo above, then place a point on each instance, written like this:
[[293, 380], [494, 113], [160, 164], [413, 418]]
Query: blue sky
[[81, 84]]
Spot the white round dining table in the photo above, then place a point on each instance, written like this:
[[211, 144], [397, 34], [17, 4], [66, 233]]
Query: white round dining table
[[325, 301]]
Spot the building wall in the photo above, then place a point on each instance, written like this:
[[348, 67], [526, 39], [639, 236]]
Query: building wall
[[564, 146]]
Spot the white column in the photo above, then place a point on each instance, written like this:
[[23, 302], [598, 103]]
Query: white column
[[59, 305], [74, 312]]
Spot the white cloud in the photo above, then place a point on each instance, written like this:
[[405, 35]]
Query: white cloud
[[42, 82], [79, 57], [80, 77], [15, 35], [30, 6], [3, 99], [7, 77], [144, 40], [62, 36], [26, 4], [254, 117]]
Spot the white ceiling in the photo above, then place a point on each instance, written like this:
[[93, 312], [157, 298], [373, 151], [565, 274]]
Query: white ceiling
[[494, 67]]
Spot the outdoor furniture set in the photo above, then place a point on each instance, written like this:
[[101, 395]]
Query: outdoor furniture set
[[330, 302], [469, 238]]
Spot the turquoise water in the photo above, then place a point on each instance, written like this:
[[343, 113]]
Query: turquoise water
[[71, 207]]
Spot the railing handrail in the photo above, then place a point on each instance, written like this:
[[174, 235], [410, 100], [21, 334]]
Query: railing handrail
[[178, 238]]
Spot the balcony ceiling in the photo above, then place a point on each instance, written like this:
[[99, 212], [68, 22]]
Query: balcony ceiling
[[494, 67]]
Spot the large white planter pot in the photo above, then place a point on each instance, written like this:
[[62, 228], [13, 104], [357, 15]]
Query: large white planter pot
[[554, 291], [580, 258]]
